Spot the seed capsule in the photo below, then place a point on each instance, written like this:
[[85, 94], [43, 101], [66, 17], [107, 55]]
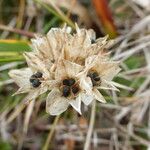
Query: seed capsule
[[66, 91], [66, 82], [35, 82], [75, 89], [92, 41], [94, 78], [69, 82], [38, 75], [94, 75], [97, 79]]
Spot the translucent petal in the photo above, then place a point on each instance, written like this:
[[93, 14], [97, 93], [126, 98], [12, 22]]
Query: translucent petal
[[21, 77], [55, 103], [35, 63], [87, 99], [57, 39], [86, 84], [76, 104], [107, 70], [98, 96], [72, 69], [42, 46]]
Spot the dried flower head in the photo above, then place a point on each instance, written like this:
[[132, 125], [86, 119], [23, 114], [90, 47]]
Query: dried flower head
[[73, 66]]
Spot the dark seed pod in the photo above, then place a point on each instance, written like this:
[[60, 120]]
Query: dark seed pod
[[38, 74], [66, 91], [32, 79], [75, 89], [35, 82], [97, 79], [92, 41], [94, 75], [94, 78], [71, 81], [66, 82]]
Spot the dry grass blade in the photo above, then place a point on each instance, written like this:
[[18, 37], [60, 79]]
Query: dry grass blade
[[46, 145], [15, 113], [91, 126]]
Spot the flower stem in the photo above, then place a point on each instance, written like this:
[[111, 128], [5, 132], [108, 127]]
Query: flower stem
[[91, 125], [45, 147]]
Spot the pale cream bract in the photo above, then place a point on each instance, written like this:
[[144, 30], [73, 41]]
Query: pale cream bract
[[72, 66]]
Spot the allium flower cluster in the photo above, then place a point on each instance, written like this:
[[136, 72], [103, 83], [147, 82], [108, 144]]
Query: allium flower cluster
[[73, 67]]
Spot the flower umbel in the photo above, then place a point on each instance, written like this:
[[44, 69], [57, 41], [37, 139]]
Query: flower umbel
[[72, 66]]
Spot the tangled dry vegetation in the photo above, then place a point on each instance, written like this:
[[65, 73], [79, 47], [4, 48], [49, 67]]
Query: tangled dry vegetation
[[123, 123]]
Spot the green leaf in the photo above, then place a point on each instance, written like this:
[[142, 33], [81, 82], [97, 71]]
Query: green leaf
[[11, 50], [5, 145], [14, 46]]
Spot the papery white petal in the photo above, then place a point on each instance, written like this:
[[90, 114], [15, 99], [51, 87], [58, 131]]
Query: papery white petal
[[57, 39], [76, 103], [83, 37], [108, 84], [22, 90], [55, 103], [91, 34], [87, 99], [35, 63], [86, 84], [77, 28], [41, 46], [22, 77], [72, 69], [107, 70], [98, 96], [95, 48], [77, 48], [60, 71], [51, 84]]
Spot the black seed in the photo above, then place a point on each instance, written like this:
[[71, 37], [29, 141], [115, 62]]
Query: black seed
[[94, 75], [71, 81], [35, 82], [97, 79], [38, 74], [66, 91], [66, 82], [92, 41], [75, 89], [94, 78], [32, 79]]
